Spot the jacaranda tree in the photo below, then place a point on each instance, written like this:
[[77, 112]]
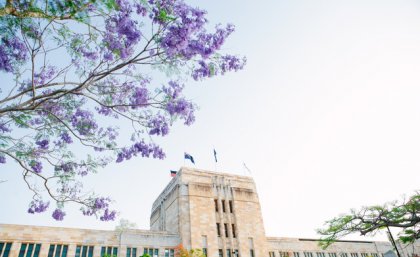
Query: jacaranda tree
[[71, 69], [403, 215]]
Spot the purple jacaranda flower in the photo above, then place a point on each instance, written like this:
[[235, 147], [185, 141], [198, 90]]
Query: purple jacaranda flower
[[183, 109], [12, 51], [2, 159], [140, 148], [4, 127], [158, 126], [140, 9], [66, 138], [122, 32], [140, 97], [108, 215], [46, 74], [38, 206], [36, 166], [58, 214], [173, 90], [83, 121], [231, 63], [42, 144]]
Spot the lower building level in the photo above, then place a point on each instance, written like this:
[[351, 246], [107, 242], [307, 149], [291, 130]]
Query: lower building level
[[217, 212]]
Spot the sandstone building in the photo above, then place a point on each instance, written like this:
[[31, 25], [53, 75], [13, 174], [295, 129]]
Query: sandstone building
[[217, 212]]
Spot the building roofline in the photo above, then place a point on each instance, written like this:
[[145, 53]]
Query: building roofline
[[136, 231]]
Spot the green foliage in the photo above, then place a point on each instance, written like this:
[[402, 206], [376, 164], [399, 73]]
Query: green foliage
[[404, 215]]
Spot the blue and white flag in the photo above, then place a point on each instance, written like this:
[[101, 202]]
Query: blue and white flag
[[189, 157]]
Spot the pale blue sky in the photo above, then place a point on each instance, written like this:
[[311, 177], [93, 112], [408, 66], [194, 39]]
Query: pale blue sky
[[326, 115]]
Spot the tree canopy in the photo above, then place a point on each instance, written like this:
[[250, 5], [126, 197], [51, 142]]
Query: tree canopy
[[72, 69], [404, 214]]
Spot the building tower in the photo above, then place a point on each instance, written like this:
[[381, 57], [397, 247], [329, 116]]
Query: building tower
[[217, 212]]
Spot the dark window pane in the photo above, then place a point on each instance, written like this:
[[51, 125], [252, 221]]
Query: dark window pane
[[37, 250], [30, 250], [215, 205], [134, 252], [103, 251], [231, 206], [7, 250], [220, 252], [151, 252], [172, 253], [223, 206], [90, 253], [145, 251], [84, 251], [109, 250], [1, 247], [115, 251], [64, 253], [78, 251], [51, 251], [22, 250], [166, 252], [156, 252], [128, 252], [58, 251]]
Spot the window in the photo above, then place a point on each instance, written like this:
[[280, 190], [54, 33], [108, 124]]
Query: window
[[218, 229], [220, 252], [131, 252], [271, 254], [332, 255], [251, 253], [152, 252], [226, 230], [228, 253], [307, 254], [235, 253], [364, 254], [5, 249], [216, 207], [284, 254], [296, 254], [354, 255], [84, 251], [223, 206], [58, 251], [169, 252], [231, 206], [204, 244], [29, 250], [109, 250], [343, 254], [376, 255], [319, 254], [233, 230]]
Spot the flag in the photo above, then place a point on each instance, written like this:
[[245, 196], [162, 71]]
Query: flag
[[215, 155], [173, 173], [246, 167], [189, 157]]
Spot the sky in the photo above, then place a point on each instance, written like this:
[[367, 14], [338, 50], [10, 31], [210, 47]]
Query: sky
[[326, 115]]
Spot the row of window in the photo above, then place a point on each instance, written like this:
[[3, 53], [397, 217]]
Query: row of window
[[230, 253], [216, 205], [322, 254], [59, 250], [226, 226]]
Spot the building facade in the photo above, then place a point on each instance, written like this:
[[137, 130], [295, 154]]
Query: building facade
[[217, 212]]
